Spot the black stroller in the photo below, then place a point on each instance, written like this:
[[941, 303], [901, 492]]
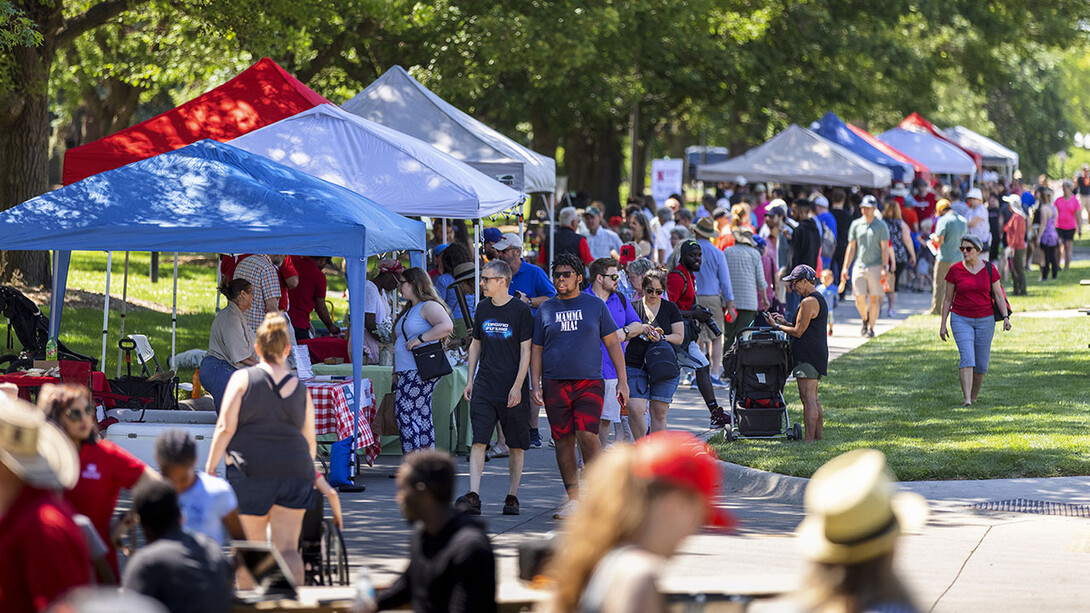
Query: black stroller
[[759, 363], [31, 327]]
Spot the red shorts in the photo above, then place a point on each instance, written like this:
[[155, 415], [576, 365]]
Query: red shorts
[[573, 404]]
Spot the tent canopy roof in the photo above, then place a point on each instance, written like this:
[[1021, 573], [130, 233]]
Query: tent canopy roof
[[798, 155], [916, 122], [993, 153], [831, 127], [399, 101], [939, 155], [921, 171], [403, 174], [208, 197], [262, 94]]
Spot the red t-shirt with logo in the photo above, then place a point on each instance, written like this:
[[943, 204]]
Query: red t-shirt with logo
[[972, 292], [311, 289], [43, 552], [105, 469]]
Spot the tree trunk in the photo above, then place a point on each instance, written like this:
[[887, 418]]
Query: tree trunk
[[24, 142], [594, 159]]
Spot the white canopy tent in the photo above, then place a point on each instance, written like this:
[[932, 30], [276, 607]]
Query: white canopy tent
[[399, 172], [798, 155], [940, 156], [399, 101], [991, 153]]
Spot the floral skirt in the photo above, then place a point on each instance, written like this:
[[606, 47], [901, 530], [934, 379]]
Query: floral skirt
[[412, 407]]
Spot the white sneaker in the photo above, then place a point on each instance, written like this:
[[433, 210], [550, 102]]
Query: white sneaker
[[565, 510]]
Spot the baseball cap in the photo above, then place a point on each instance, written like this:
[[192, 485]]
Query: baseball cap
[[820, 200], [776, 207], [689, 245], [681, 459], [492, 235], [739, 180], [802, 271], [592, 210], [974, 194], [507, 241], [628, 255], [868, 200], [616, 220]]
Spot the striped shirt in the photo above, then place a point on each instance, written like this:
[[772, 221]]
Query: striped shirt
[[259, 270], [744, 263]]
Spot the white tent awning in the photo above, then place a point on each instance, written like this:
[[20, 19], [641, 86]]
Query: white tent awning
[[397, 171], [993, 153], [399, 101], [798, 155], [940, 156]]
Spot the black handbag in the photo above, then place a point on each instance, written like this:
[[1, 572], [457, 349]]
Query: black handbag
[[431, 361], [996, 313]]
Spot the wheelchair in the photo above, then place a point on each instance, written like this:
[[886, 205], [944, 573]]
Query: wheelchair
[[325, 559]]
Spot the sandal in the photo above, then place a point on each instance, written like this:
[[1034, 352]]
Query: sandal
[[498, 452]]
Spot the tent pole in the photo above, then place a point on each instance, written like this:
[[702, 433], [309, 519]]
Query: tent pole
[[124, 306], [552, 232], [174, 315], [444, 229], [219, 279], [106, 307], [477, 264]]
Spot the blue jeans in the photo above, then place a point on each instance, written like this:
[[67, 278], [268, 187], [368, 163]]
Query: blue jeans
[[973, 336], [215, 373]]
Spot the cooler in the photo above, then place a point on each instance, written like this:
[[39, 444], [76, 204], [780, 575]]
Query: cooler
[[139, 439], [162, 416]]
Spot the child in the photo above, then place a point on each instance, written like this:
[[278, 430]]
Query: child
[[830, 293], [208, 503]]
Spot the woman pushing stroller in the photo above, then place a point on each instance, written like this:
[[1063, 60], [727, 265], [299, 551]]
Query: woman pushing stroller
[[809, 345]]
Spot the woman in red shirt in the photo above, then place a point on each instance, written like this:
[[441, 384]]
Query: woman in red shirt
[[105, 468], [970, 286]]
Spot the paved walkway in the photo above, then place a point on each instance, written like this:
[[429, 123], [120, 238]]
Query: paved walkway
[[963, 561]]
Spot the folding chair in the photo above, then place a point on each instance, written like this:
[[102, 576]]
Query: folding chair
[[144, 353]]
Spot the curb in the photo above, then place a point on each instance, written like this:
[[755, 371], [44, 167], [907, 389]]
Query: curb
[[747, 481]]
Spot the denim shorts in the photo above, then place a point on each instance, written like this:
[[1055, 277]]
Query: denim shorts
[[639, 386], [973, 336]]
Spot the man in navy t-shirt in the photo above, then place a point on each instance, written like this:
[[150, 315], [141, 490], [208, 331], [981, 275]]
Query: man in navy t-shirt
[[566, 369]]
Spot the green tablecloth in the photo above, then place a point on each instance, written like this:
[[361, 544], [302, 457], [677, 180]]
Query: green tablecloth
[[449, 411]]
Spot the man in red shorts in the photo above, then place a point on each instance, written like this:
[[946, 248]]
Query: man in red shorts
[[566, 369]]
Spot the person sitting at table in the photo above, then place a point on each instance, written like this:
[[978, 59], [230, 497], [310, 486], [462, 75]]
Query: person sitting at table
[[423, 320], [308, 296], [266, 430], [376, 309], [105, 468], [230, 341]]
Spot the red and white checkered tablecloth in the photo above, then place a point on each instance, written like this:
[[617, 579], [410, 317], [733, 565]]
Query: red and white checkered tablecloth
[[333, 413]]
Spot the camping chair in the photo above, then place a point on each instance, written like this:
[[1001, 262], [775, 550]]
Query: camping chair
[[144, 353]]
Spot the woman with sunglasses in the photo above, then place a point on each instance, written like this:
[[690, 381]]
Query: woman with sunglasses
[[970, 286], [105, 468], [662, 321]]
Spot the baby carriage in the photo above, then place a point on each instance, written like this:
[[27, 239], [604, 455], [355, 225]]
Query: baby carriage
[[759, 363]]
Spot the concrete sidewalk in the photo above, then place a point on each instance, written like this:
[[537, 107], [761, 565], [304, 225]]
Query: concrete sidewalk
[[962, 561]]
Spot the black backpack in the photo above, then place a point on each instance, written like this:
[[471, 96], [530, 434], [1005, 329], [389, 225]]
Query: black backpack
[[660, 360]]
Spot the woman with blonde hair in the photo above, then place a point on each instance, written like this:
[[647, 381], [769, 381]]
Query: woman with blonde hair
[[900, 242], [423, 320], [640, 503], [266, 430]]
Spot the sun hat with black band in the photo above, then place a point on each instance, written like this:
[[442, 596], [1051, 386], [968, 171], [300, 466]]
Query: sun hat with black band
[[34, 449], [705, 228], [974, 241], [853, 513], [465, 271]]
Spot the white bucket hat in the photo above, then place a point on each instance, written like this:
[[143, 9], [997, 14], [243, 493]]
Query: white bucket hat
[[852, 511], [34, 449]]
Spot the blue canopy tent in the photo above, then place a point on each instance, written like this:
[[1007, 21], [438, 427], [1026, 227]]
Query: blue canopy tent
[[211, 197], [833, 128]]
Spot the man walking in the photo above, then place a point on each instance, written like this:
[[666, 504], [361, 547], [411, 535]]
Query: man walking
[[868, 246], [713, 292], [1015, 231], [567, 239], [498, 393], [948, 232], [604, 282], [603, 242], [566, 369]]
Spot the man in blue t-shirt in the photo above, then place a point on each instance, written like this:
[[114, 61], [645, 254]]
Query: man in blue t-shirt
[[604, 280], [531, 285], [566, 369]]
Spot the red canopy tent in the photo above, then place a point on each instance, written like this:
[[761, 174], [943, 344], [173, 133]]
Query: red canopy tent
[[921, 171], [916, 122], [262, 94]]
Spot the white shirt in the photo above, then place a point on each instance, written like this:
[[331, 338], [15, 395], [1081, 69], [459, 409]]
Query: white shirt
[[373, 302]]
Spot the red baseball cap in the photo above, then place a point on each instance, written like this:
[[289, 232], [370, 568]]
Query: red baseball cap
[[682, 459], [628, 254], [616, 220]]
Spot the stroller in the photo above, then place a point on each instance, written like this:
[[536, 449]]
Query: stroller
[[32, 329], [759, 363]]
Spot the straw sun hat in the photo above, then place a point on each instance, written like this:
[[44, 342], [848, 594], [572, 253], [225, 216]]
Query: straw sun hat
[[852, 512], [34, 449]]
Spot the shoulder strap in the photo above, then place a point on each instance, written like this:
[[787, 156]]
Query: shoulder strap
[[684, 280], [624, 301]]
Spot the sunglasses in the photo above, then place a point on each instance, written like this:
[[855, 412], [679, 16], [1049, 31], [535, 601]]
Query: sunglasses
[[967, 249], [77, 414], [563, 274], [654, 292], [613, 276]]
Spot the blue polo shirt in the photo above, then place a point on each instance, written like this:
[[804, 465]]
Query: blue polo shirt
[[532, 281], [623, 314]]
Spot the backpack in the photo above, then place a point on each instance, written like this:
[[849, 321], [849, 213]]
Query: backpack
[[660, 360], [828, 240]]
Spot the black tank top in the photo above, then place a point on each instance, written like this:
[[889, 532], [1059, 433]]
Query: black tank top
[[269, 435], [813, 346]]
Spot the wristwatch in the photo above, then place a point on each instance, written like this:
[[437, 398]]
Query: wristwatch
[[625, 330]]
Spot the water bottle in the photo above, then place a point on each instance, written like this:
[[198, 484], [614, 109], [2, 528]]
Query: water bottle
[[51, 349], [365, 591], [197, 391]]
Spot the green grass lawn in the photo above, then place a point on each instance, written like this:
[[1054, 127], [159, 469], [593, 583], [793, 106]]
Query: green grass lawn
[[1053, 295], [899, 393]]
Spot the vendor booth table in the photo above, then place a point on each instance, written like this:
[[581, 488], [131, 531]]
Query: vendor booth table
[[333, 414], [450, 413]]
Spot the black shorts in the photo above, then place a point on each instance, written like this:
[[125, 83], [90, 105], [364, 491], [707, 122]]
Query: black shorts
[[573, 405], [485, 412], [1066, 235], [257, 495]]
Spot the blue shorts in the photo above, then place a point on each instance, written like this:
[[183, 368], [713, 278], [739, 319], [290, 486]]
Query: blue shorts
[[639, 386]]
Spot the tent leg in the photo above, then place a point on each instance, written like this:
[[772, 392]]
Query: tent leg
[[174, 316], [60, 284], [219, 280], [552, 232], [477, 232], [124, 307], [106, 307]]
